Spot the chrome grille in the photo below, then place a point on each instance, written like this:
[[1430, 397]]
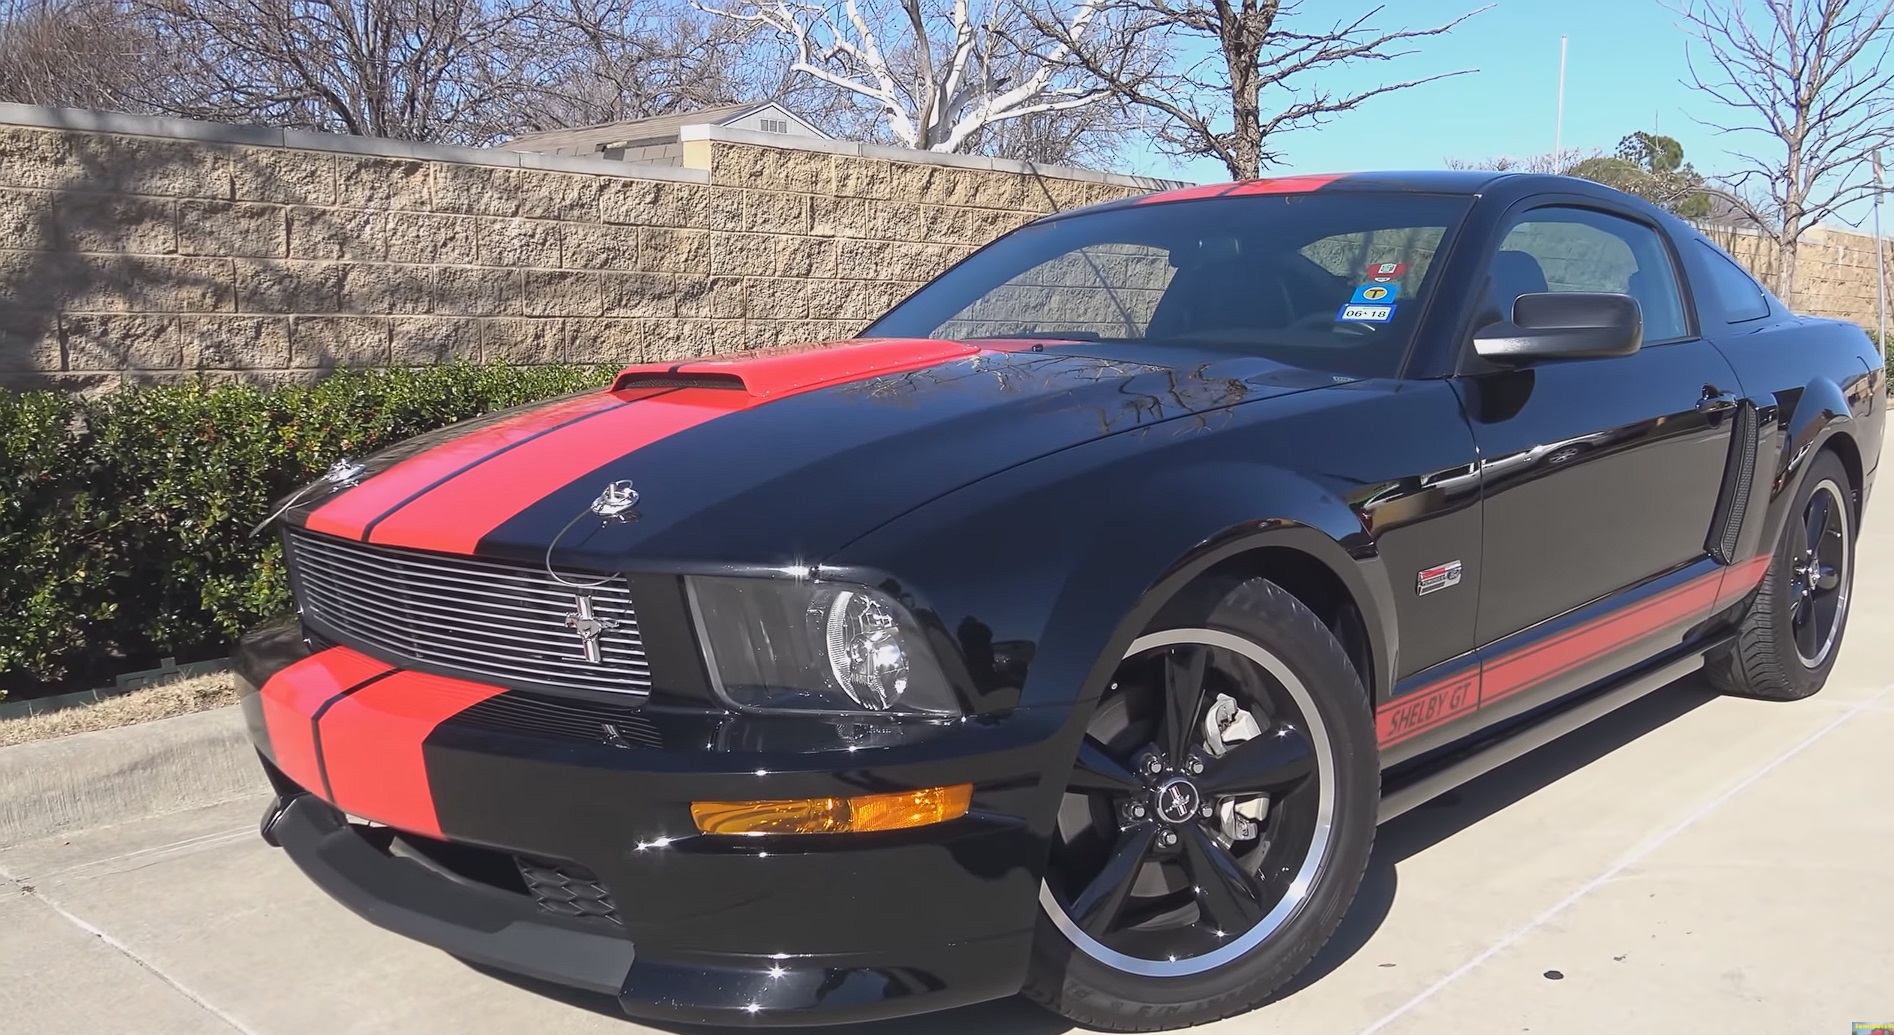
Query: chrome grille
[[478, 618]]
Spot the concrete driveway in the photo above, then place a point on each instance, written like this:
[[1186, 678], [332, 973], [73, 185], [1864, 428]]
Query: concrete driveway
[[1690, 863]]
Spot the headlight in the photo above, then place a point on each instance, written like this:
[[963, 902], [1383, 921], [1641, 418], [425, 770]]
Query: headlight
[[776, 644]]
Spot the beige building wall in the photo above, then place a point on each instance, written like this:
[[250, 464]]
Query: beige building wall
[[156, 249], [1835, 270]]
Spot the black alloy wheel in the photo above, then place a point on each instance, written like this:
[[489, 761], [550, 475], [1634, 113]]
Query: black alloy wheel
[[1178, 849], [1216, 823], [1818, 595]]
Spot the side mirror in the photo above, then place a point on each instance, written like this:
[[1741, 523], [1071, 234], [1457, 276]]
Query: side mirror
[[1564, 325]]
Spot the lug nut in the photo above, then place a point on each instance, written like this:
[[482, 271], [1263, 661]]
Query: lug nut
[[1207, 811], [1154, 765], [1137, 812], [1169, 838], [1196, 767]]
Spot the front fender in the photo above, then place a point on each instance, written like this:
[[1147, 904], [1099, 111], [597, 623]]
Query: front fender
[[1064, 560]]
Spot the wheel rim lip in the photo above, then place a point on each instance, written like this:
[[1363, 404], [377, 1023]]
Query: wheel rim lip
[[1839, 507], [1320, 838]]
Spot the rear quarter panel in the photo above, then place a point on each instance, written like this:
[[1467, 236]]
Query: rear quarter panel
[[1816, 384]]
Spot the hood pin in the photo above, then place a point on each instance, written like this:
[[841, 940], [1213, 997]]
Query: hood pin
[[343, 474], [617, 498]]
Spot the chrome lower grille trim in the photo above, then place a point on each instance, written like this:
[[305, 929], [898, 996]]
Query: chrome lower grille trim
[[485, 620]]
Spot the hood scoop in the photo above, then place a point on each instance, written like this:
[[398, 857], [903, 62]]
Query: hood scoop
[[766, 373]]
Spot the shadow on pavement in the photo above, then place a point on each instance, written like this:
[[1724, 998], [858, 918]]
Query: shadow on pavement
[[1462, 807], [1397, 840]]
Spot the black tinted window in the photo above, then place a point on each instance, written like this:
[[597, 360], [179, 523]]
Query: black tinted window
[[1575, 249], [1734, 290], [1327, 282]]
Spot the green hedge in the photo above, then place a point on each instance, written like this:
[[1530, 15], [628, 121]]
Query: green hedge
[[124, 517]]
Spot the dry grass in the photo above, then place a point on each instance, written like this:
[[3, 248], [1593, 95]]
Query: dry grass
[[162, 701]]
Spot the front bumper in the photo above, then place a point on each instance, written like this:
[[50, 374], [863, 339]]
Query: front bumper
[[733, 931]]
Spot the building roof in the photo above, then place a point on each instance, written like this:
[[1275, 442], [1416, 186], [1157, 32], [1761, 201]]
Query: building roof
[[659, 129]]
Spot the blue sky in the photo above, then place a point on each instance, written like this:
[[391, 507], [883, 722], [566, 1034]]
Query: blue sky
[[1625, 60]]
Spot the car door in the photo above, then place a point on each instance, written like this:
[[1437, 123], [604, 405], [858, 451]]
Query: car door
[[1600, 476]]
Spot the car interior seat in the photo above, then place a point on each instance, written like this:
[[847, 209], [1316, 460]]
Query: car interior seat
[[1231, 296], [1515, 273]]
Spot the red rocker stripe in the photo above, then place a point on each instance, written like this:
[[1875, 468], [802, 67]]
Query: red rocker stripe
[[1533, 664]]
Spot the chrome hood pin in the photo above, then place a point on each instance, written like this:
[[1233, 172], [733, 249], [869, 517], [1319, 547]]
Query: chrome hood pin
[[343, 474]]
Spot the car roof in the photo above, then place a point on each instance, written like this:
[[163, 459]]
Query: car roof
[[1427, 181]]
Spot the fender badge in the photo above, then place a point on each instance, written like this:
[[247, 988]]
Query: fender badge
[[1440, 576]]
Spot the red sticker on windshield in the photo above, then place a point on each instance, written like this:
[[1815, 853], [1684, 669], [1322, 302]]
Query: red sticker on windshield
[[1383, 272]]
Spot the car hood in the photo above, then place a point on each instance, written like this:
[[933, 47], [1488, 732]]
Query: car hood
[[777, 457]]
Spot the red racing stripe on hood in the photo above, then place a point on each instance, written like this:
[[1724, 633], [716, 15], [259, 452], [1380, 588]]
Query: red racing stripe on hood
[[293, 697], [454, 517], [350, 514], [371, 746]]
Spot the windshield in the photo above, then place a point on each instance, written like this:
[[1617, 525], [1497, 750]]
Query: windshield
[[1331, 282]]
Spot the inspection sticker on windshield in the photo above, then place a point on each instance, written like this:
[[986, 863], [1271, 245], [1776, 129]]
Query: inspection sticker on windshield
[[1375, 294], [1366, 314]]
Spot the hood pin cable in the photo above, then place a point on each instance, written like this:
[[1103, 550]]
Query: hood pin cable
[[613, 505], [343, 474]]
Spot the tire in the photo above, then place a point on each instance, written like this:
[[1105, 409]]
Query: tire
[[1307, 713], [1772, 658]]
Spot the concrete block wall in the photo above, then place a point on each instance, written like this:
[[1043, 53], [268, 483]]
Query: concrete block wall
[[1834, 275], [156, 249]]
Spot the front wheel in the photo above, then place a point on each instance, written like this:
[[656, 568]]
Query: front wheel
[[1217, 823]]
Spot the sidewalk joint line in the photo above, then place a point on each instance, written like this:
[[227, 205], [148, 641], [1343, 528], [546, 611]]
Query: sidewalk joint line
[[124, 950], [1626, 862]]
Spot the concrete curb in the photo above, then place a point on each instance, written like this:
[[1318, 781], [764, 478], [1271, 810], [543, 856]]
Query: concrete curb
[[96, 779]]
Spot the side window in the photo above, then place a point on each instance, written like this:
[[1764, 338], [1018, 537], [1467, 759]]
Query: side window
[[1575, 249], [1738, 294]]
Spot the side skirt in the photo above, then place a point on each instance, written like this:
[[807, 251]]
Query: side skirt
[[1483, 756]]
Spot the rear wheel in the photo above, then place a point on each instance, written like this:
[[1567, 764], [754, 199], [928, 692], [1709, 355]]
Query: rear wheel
[[1217, 823], [1787, 643]]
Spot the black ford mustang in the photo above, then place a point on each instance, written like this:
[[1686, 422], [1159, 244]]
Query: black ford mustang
[[1071, 631]]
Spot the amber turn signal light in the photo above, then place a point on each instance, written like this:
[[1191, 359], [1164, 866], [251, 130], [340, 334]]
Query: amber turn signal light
[[858, 815]]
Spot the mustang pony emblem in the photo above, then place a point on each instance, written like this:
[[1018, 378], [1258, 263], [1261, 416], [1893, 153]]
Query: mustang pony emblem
[[1177, 801], [589, 626]]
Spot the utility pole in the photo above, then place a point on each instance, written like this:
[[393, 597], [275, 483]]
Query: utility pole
[[1558, 132], [1880, 252]]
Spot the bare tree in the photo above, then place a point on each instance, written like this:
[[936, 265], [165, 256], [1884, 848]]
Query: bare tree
[[412, 69], [1549, 163], [70, 53], [1813, 79], [613, 60], [1092, 137], [937, 72], [1261, 77]]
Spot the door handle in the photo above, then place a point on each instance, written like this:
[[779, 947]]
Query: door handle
[[1716, 402]]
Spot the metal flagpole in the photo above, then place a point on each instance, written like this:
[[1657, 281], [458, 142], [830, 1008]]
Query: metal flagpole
[[1558, 132], [1880, 251]]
